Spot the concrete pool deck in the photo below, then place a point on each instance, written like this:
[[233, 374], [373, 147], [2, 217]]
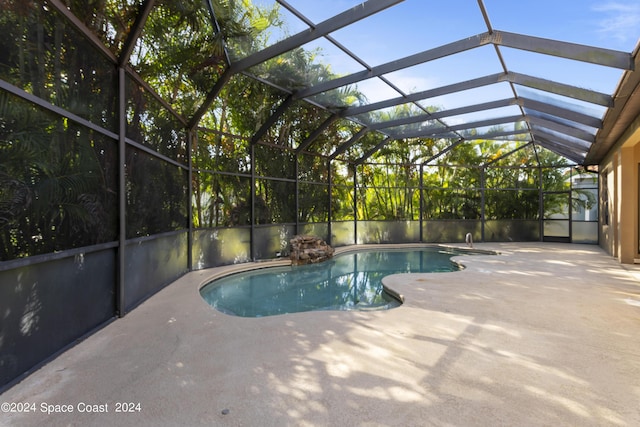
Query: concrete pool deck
[[542, 334]]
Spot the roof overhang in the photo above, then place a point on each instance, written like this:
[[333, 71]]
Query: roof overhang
[[624, 112]]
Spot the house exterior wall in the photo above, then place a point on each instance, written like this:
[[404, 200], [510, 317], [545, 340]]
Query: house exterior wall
[[619, 199]]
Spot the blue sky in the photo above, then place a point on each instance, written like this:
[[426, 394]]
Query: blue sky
[[611, 23], [413, 26]]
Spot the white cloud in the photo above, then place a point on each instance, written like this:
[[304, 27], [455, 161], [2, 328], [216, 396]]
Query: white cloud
[[621, 20]]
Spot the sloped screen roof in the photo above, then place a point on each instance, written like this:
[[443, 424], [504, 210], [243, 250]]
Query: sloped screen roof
[[538, 71]]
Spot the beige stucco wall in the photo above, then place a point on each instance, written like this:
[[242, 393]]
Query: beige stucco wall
[[619, 197]]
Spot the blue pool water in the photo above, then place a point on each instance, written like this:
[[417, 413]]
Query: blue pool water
[[349, 281]]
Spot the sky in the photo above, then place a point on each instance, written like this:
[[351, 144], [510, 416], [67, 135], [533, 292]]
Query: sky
[[412, 26]]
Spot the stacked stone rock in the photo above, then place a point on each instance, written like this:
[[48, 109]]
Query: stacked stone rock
[[307, 249]]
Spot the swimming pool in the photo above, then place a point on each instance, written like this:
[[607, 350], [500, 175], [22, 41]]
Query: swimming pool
[[349, 281]]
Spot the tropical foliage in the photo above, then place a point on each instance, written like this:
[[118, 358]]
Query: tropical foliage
[[57, 187], [59, 177]]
